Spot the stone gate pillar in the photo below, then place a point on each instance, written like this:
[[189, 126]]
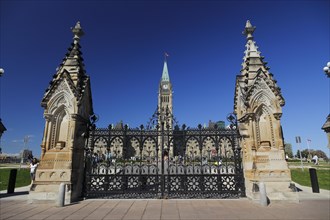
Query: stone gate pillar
[[67, 105], [258, 106]]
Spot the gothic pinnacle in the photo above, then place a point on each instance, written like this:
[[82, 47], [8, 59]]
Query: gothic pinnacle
[[248, 30], [77, 32]]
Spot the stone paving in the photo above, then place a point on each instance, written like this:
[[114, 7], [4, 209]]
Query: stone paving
[[166, 209], [309, 206]]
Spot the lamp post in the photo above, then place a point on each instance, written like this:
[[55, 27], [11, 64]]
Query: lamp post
[[2, 127], [298, 141], [326, 125], [326, 69], [26, 141], [309, 157]]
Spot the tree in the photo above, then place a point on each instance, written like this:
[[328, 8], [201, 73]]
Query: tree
[[318, 153], [298, 154], [288, 150], [304, 153]]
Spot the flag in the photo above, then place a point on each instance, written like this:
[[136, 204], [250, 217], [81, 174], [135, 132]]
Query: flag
[[309, 140], [166, 54]]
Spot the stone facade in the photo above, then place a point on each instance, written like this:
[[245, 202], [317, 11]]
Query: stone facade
[[258, 106], [67, 105]]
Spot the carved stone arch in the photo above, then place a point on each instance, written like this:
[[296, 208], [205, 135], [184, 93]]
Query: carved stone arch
[[60, 124], [264, 127], [59, 99], [262, 97]]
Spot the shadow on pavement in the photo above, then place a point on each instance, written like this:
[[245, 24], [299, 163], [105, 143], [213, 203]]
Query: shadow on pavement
[[5, 195]]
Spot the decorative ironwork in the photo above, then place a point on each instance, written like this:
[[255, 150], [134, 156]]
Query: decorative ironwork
[[161, 162]]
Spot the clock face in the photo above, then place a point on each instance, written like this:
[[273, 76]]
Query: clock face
[[165, 86]]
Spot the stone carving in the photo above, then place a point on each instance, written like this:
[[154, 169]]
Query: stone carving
[[62, 145], [63, 86], [259, 113]]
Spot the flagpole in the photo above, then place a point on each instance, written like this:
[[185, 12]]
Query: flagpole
[[165, 56], [298, 141], [309, 153]]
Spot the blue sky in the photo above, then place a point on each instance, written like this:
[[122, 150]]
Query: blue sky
[[123, 50]]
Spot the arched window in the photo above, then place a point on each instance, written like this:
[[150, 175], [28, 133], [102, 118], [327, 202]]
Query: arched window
[[60, 128], [264, 127]]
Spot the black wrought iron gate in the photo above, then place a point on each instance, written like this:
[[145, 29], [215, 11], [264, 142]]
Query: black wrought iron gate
[[163, 163]]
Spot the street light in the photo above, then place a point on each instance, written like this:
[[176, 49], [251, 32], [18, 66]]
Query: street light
[[326, 125], [2, 126], [326, 69], [26, 141], [298, 141]]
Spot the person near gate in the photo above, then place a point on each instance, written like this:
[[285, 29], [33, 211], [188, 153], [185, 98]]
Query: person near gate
[[33, 168], [315, 160]]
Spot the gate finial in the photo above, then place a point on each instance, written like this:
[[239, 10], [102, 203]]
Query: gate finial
[[77, 32]]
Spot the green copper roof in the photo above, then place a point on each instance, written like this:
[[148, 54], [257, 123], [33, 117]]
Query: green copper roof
[[165, 76]]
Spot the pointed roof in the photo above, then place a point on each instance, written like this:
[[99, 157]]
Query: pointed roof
[[74, 56], [2, 128], [251, 46], [165, 75], [254, 69], [72, 68], [326, 126]]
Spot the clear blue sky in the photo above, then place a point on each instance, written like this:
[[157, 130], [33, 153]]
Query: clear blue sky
[[123, 50]]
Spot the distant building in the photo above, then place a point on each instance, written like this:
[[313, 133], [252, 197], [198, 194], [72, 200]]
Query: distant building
[[220, 124], [27, 155], [16, 158]]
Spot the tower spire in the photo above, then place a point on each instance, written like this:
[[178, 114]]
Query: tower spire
[[251, 46], [72, 66], [254, 68], [165, 75]]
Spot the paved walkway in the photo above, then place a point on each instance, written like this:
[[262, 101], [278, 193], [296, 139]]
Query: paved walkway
[[310, 206]]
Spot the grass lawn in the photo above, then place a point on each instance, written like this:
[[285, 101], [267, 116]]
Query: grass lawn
[[303, 178], [322, 164], [22, 178]]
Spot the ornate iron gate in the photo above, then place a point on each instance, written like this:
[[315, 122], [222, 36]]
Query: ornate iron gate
[[164, 163]]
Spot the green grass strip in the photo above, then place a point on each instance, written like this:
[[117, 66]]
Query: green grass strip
[[22, 178], [303, 177]]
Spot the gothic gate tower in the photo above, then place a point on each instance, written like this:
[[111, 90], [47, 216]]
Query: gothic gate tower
[[258, 105], [165, 102], [67, 105]]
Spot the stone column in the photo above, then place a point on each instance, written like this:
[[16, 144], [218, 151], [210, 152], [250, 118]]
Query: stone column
[[45, 143]]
